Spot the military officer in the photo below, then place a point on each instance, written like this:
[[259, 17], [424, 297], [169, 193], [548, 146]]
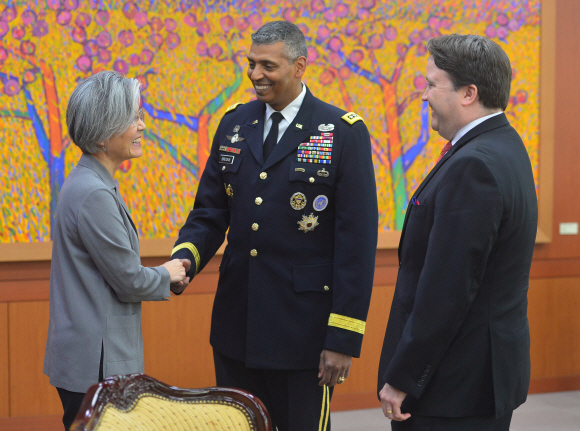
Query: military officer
[[292, 178]]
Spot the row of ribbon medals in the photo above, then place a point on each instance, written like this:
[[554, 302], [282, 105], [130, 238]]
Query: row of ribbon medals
[[317, 150]]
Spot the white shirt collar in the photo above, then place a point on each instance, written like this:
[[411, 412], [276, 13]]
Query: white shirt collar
[[461, 132], [290, 111]]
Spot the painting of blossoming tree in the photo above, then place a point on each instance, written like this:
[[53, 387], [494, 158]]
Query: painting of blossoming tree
[[366, 56]]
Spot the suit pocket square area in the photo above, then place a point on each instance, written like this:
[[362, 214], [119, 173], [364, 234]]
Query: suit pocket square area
[[419, 210]]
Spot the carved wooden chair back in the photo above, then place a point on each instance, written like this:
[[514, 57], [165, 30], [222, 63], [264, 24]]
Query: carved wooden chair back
[[139, 402]]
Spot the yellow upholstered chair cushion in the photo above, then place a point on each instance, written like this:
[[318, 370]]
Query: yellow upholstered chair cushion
[[152, 413]]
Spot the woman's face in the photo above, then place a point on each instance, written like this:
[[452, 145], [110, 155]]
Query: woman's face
[[127, 145]]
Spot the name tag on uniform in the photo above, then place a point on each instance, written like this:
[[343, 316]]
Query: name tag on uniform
[[224, 158]]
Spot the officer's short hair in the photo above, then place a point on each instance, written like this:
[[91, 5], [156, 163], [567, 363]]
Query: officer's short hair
[[100, 107], [470, 59], [283, 31]]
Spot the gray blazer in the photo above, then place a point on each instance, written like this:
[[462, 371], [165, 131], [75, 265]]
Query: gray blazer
[[97, 283]]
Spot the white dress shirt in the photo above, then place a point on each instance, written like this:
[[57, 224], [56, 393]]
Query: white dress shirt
[[289, 113], [461, 132]]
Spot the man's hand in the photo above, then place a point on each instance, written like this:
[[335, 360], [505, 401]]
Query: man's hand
[[179, 286], [333, 365], [391, 400]]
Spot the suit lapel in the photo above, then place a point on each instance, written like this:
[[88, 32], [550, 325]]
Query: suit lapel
[[490, 124], [253, 132], [133, 238], [293, 136]]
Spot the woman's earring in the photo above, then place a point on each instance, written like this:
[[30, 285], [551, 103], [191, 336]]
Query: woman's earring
[[104, 148]]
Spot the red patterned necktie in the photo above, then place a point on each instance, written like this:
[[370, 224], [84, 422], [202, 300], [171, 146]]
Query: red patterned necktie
[[446, 148]]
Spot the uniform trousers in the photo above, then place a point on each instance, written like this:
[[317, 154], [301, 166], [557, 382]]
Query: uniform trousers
[[470, 423], [293, 398]]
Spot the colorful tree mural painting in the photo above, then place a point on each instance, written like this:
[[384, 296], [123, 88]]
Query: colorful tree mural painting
[[364, 56]]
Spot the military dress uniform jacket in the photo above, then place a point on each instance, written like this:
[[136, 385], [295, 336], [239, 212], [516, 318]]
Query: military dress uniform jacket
[[457, 341], [294, 279]]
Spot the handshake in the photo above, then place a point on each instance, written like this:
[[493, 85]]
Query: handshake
[[177, 272]]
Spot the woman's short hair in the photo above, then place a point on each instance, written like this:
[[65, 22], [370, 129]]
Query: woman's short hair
[[470, 59], [101, 107]]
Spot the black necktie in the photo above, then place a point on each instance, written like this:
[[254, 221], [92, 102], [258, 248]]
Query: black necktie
[[272, 138]]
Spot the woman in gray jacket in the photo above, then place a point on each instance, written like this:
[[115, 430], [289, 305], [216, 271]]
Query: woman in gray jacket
[[97, 282]]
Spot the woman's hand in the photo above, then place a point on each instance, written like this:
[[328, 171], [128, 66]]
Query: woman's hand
[[176, 270]]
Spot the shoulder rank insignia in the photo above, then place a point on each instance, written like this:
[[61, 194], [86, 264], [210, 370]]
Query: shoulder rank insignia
[[351, 118], [233, 107]]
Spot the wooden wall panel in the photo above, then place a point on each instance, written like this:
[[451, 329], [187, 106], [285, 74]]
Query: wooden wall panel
[[553, 311], [566, 134], [30, 392], [4, 362], [363, 373], [176, 340]]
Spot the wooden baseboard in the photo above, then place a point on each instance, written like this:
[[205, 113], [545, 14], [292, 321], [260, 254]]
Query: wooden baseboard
[[555, 384], [32, 423], [368, 400], [354, 401]]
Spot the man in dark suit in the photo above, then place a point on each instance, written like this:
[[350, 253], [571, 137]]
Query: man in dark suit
[[456, 350], [293, 180]]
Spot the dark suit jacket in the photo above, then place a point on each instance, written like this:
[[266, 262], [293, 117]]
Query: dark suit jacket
[[298, 292], [457, 341]]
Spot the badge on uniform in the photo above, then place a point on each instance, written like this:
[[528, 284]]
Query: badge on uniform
[[226, 158], [229, 149], [326, 127], [298, 201], [322, 173], [229, 190], [308, 223], [320, 203], [235, 138], [318, 149], [236, 129]]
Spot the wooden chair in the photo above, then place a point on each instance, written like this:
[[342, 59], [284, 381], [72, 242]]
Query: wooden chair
[[139, 402]]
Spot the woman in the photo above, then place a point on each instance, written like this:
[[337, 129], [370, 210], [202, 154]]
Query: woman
[[97, 282]]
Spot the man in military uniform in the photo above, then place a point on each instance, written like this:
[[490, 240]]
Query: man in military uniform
[[293, 180]]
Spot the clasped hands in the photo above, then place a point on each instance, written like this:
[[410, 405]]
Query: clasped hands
[[178, 269]]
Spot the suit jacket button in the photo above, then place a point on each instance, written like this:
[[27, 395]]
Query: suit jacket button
[[258, 201], [311, 179], [223, 168], [263, 175], [326, 288], [255, 226], [254, 252]]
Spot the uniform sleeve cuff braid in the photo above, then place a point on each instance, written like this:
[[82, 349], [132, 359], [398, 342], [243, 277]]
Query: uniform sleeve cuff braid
[[347, 323], [193, 249]]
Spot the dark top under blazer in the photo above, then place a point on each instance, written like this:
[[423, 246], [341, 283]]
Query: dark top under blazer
[[457, 341], [272, 311]]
